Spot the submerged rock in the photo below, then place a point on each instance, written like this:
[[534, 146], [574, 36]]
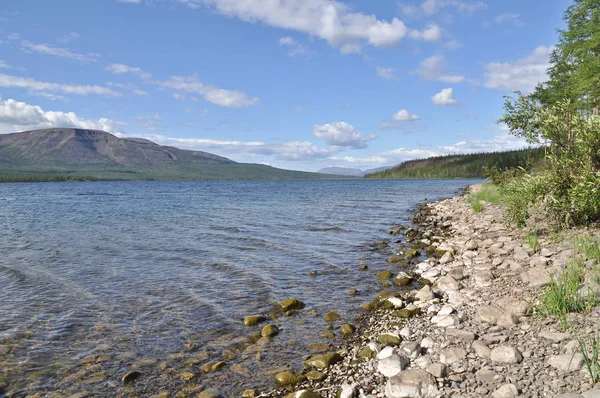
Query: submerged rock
[[288, 378], [291, 304], [210, 393], [252, 320], [269, 331], [323, 361], [347, 329], [332, 316], [131, 377]]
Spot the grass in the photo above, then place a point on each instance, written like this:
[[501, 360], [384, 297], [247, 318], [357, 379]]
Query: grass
[[532, 240], [489, 193], [590, 348]]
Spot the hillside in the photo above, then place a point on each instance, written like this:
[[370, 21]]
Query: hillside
[[349, 172], [78, 154], [459, 166]]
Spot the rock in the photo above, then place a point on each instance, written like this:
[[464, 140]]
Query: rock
[[323, 361], [250, 393], [471, 245], [352, 292], [555, 337], [594, 393], [483, 279], [452, 355], [363, 267], [396, 259], [392, 365], [506, 354], [210, 393], [438, 370], [447, 283], [456, 273], [412, 253], [411, 349], [315, 375], [425, 294], [347, 329], [386, 352], [520, 254], [566, 363], [412, 383], [569, 395], [536, 277], [347, 391], [131, 377], [446, 310], [384, 275], [487, 376], [394, 302], [303, 394], [402, 279], [489, 314], [217, 366], [370, 351], [460, 335], [515, 306], [506, 391], [481, 349], [407, 312], [254, 320], [269, 331], [291, 304], [288, 378], [447, 258], [389, 339], [445, 320], [332, 316], [427, 343]]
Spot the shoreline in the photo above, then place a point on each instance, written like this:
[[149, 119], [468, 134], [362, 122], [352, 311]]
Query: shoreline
[[468, 329]]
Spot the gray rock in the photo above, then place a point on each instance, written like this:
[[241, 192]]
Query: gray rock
[[446, 258], [506, 391], [392, 365], [594, 393], [569, 395], [536, 277], [411, 349], [520, 254], [445, 320], [452, 355], [438, 370], [567, 362], [348, 391], [506, 354], [412, 383], [448, 283], [487, 376], [460, 335], [425, 294], [556, 337], [489, 314]]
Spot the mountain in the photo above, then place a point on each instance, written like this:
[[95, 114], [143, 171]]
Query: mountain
[[348, 172], [461, 166], [79, 154]]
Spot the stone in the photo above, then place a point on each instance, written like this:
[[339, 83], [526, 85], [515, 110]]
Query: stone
[[515, 306], [412, 383], [446, 310], [394, 302], [332, 316], [460, 335], [386, 352], [396, 259], [506, 354], [593, 393], [384, 275], [347, 329], [392, 365], [347, 391], [471, 245], [411, 349], [555, 337], [269, 331], [425, 294], [566, 363], [131, 377], [506, 391], [445, 320], [536, 277], [487, 376], [489, 314], [254, 320], [447, 283], [447, 258], [483, 279], [402, 279], [352, 292], [438, 370], [456, 273], [427, 343], [250, 393], [452, 355], [288, 378], [303, 394], [210, 393], [291, 304], [370, 351], [315, 375], [389, 339], [323, 361], [520, 254], [407, 312]]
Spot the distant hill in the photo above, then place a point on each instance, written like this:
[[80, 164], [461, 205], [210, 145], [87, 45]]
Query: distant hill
[[459, 166], [77, 154], [349, 172]]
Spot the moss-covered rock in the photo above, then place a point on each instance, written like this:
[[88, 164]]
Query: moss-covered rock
[[402, 279], [269, 331], [130, 377], [253, 320], [323, 361], [291, 304], [384, 275], [411, 253], [210, 393], [382, 296], [389, 339], [352, 292], [218, 366], [288, 378], [396, 259], [303, 394], [367, 352], [250, 393], [315, 375], [370, 306], [332, 316], [407, 313], [363, 267], [347, 329]]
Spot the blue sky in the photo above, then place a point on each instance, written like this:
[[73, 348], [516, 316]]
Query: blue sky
[[294, 84]]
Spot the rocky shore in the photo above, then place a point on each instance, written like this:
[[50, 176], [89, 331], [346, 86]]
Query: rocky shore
[[467, 328]]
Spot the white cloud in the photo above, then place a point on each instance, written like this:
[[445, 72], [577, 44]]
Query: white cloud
[[342, 134], [130, 1], [433, 68], [405, 116], [69, 37], [119, 69], [432, 33], [408, 10], [150, 122], [452, 45], [19, 116], [386, 73], [330, 20], [179, 97], [202, 114], [444, 97], [466, 7], [217, 96], [58, 52], [507, 17], [294, 47], [522, 75], [139, 92], [36, 85], [4, 65]]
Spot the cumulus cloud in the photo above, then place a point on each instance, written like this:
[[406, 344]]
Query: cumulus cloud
[[19, 116], [294, 48], [467, 7], [69, 37], [386, 73], [433, 68], [130, 1], [507, 17], [342, 134], [58, 52], [4, 65], [431, 33], [36, 85], [119, 69], [444, 97], [405, 116], [330, 20], [215, 95], [522, 75]]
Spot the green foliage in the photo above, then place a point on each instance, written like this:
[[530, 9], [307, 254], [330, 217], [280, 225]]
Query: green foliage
[[519, 194], [561, 297], [532, 239], [460, 166], [477, 206], [590, 348]]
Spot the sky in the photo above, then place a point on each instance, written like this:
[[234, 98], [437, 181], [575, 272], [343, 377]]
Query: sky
[[296, 84]]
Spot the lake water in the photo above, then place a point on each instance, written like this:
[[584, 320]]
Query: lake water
[[100, 278]]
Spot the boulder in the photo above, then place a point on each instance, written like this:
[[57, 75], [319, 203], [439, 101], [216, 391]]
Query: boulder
[[291, 304], [269, 331], [566, 363], [506, 391], [412, 383], [389, 339], [392, 365], [288, 378], [323, 361], [252, 320], [506, 354]]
